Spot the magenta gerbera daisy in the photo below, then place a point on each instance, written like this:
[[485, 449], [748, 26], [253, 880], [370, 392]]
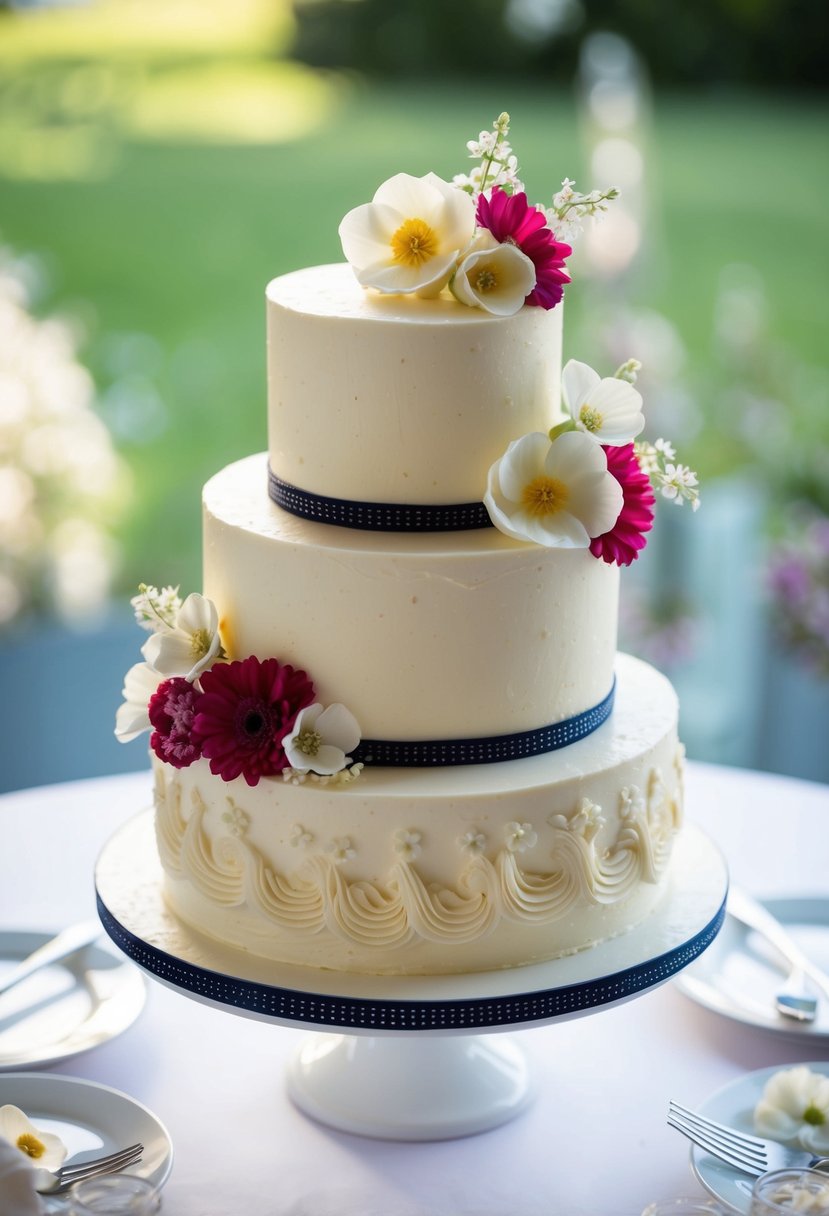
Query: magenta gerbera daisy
[[246, 710], [623, 543], [509, 217], [171, 711]]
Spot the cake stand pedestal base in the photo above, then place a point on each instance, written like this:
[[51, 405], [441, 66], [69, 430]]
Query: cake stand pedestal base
[[397, 1088]]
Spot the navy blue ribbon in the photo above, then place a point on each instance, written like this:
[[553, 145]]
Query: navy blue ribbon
[[489, 749], [377, 516]]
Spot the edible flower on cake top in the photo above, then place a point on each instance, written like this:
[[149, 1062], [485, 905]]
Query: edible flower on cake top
[[410, 236], [495, 277]]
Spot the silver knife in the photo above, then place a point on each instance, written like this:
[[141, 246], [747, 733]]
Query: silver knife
[[749, 911], [68, 942]]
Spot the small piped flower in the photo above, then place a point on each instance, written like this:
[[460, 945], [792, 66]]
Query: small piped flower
[[558, 494], [341, 849], [473, 842], [520, 837], [407, 844], [43, 1149], [299, 837], [321, 739]]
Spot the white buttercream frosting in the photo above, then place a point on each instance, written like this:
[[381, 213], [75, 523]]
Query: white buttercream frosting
[[436, 870]]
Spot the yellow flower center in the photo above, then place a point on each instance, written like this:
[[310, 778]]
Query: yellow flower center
[[814, 1115], [308, 742], [200, 643], [30, 1145], [414, 243], [487, 278], [591, 419], [544, 496]]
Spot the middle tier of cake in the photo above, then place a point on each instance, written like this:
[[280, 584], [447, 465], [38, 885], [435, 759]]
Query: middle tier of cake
[[422, 636]]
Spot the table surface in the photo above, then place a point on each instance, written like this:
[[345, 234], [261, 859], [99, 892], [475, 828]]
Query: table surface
[[595, 1141]]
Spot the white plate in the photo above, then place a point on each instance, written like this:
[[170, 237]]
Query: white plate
[[91, 1119], [734, 1105], [739, 973], [67, 1008]]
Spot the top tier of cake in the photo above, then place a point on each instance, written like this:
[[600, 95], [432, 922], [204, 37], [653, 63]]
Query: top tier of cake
[[397, 399]]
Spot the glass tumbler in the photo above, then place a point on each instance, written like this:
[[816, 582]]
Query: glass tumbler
[[785, 1191], [114, 1195]]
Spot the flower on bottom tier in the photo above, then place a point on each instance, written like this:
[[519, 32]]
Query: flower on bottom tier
[[623, 542], [320, 739], [171, 711], [558, 494], [43, 1149], [795, 1108], [245, 712], [510, 218]]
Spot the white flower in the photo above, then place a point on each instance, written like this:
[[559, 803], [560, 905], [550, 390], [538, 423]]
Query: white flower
[[321, 738], [236, 819], [410, 236], [342, 849], [520, 837], [610, 410], [795, 1108], [585, 821], [557, 494], [407, 845], [190, 645], [495, 277], [132, 718], [679, 483], [473, 842], [43, 1149], [300, 838]]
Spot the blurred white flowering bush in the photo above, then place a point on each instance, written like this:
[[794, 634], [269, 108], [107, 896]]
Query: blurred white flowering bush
[[61, 481]]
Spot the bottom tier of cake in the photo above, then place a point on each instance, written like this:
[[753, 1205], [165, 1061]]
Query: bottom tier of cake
[[432, 871]]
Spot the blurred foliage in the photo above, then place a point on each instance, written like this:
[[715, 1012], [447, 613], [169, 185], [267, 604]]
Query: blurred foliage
[[766, 43]]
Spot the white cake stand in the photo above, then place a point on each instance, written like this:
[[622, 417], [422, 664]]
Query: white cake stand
[[413, 1057]]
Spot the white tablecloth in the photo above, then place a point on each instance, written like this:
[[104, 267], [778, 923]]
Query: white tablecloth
[[595, 1142]]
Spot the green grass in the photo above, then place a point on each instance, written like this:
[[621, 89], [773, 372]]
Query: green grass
[[177, 241]]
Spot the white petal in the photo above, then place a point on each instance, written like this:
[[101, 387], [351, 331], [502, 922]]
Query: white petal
[[596, 500], [170, 654], [197, 612], [394, 277], [577, 382], [522, 461], [366, 232], [328, 760], [573, 455], [131, 718], [620, 405], [338, 726], [560, 531], [458, 219]]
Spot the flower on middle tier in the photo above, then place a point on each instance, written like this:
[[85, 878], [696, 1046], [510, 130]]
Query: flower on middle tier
[[410, 236], [246, 710], [558, 494], [610, 410], [623, 542]]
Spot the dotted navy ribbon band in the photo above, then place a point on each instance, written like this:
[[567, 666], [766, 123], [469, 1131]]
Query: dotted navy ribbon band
[[288, 1004], [377, 516], [490, 749]]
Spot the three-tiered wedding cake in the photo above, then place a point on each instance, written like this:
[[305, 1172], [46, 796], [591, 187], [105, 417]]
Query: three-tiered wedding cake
[[502, 787]]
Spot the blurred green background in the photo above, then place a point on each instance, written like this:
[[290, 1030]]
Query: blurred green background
[[159, 162]]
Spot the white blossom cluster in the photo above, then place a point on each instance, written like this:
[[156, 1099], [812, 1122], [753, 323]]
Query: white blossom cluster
[[570, 209], [60, 477], [499, 164], [673, 481]]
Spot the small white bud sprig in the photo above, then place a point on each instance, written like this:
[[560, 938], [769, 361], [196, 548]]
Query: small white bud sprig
[[676, 482], [154, 609], [570, 208], [499, 164]]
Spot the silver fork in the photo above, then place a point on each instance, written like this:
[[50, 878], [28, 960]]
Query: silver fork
[[55, 1182], [747, 1153]]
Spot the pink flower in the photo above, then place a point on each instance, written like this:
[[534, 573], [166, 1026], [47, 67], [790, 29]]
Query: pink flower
[[626, 538], [509, 217], [171, 711], [246, 710]]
